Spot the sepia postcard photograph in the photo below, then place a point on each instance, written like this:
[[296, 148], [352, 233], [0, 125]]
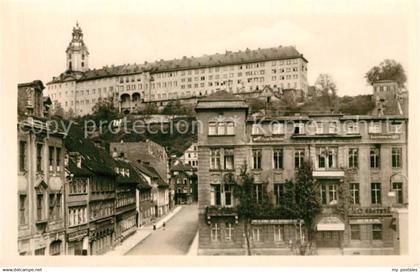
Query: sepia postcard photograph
[[209, 132]]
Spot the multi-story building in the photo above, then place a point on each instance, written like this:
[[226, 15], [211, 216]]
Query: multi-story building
[[79, 88], [41, 222], [146, 151], [184, 183], [368, 152], [91, 204], [190, 156], [126, 206]]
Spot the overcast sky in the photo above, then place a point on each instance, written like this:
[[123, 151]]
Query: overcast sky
[[343, 38]]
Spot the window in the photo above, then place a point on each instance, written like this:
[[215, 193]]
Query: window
[[319, 126], [396, 157], [397, 187], [256, 233], [258, 193], [51, 158], [41, 251], [278, 233], [215, 232], [257, 129], [328, 194], [327, 157], [277, 128], [214, 158], [299, 157], [221, 128], [355, 193], [228, 195], [228, 232], [333, 128], [212, 128], [230, 128], [228, 159], [299, 128], [256, 158], [279, 192], [22, 155], [353, 158], [58, 159], [375, 127], [355, 232], [55, 248], [395, 128], [278, 158], [377, 232], [22, 209], [352, 128], [375, 193], [40, 207], [374, 157], [39, 157], [215, 195]]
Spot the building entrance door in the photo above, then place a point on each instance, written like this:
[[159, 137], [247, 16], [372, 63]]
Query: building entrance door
[[328, 239]]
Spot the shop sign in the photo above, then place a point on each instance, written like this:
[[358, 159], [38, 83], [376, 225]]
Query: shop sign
[[273, 221], [384, 136], [264, 139], [77, 235], [371, 210]]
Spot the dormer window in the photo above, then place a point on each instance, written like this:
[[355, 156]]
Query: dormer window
[[79, 162]]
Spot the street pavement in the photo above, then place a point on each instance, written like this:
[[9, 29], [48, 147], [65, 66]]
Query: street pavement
[[174, 239]]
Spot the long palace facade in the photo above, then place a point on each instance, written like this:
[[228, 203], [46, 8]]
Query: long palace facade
[[79, 88]]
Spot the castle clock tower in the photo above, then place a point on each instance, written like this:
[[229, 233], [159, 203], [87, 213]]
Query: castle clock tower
[[77, 52]]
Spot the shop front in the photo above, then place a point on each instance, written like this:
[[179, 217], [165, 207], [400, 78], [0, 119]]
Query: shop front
[[78, 242], [329, 234], [101, 236]]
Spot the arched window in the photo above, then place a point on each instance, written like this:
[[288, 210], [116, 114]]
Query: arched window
[[55, 247]]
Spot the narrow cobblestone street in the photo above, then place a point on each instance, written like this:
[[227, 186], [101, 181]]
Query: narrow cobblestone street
[[175, 239]]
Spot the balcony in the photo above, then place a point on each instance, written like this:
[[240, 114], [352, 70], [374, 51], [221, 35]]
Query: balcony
[[328, 174]]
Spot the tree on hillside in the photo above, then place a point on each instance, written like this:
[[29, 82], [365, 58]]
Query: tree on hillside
[[326, 84], [150, 108], [307, 204], [57, 110], [69, 114], [104, 110], [255, 105], [387, 70]]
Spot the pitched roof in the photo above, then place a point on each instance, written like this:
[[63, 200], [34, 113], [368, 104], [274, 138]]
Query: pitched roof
[[182, 167], [221, 99], [214, 60], [93, 158], [221, 96], [151, 172]]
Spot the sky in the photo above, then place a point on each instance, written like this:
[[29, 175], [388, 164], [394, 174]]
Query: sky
[[341, 38]]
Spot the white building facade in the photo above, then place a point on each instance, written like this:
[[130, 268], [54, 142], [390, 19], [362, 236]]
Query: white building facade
[[79, 88]]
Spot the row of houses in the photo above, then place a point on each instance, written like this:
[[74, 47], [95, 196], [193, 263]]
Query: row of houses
[[75, 198]]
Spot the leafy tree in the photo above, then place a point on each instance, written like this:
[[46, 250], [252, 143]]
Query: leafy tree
[[104, 110], [57, 110], [244, 192], [256, 105], [307, 204], [150, 108], [326, 84], [69, 114], [387, 70]]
